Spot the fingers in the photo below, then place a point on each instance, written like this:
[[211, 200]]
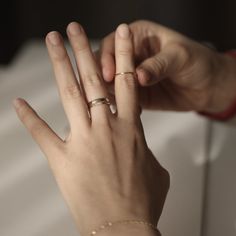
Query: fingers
[[48, 141], [107, 55], [71, 96], [125, 85], [144, 40], [88, 70], [164, 64]]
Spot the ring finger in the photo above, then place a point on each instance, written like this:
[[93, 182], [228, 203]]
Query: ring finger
[[125, 80]]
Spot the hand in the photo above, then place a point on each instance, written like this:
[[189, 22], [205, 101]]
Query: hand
[[175, 73], [104, 168]]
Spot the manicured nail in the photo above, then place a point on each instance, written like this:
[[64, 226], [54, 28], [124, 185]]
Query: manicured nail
[[74, 28], [106, 73], [54, 38], [123, 31], [18, 102], [144, 76]]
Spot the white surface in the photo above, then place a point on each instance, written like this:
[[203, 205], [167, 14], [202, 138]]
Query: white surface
[[178, 141], [30, 203], [220, 217]]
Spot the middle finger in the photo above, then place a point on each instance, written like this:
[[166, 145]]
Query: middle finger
[[89, 71]]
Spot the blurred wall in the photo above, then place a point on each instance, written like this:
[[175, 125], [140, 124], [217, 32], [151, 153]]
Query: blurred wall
[[213, 21]]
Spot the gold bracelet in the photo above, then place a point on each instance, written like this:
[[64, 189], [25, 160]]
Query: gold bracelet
[[110, 224]]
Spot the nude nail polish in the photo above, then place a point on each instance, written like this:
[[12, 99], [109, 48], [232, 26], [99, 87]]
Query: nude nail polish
[[54, 38], [74, 28], [123, 31], [18, 102]]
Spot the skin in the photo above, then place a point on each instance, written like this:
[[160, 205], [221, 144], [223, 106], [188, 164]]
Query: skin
[[174, 72], [104, 168]]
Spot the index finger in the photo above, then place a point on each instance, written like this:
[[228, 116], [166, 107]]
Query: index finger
[[107, 57]]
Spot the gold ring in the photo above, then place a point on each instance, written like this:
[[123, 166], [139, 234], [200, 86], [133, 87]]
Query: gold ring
[[99, 101], [126, 73]]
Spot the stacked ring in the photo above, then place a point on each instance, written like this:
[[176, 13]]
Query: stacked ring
[[104, 100], [99, 101]]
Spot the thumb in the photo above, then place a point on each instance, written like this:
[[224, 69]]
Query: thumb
[[166, 63]]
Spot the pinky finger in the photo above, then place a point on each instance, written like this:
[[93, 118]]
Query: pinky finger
[[43, 135]]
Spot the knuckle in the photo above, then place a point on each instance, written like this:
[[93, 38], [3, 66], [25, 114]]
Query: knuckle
[[72, 91], [60, 55], [125, 52], [92, 80], [183, 52], [36, 126], [129, 81], [160, 65], [82, 49]]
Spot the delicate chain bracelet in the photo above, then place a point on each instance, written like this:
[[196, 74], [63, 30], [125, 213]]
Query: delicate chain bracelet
[[110, 224]]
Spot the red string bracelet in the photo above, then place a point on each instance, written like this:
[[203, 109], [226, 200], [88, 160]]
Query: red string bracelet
[[230, 112]]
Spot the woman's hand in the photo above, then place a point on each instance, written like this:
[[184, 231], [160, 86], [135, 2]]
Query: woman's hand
[[104, 168], [175, 73]]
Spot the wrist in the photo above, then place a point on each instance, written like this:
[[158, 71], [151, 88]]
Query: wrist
[[222, 92], [129, 232]]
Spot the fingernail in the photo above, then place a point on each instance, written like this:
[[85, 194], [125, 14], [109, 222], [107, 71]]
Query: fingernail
[[123, 31], [106, 73], [145, 78], [54, 38], [74, 28], [18, 102]]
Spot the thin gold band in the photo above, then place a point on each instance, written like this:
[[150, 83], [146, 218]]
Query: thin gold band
[[99, 101], [110, 224], [126, 73]]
